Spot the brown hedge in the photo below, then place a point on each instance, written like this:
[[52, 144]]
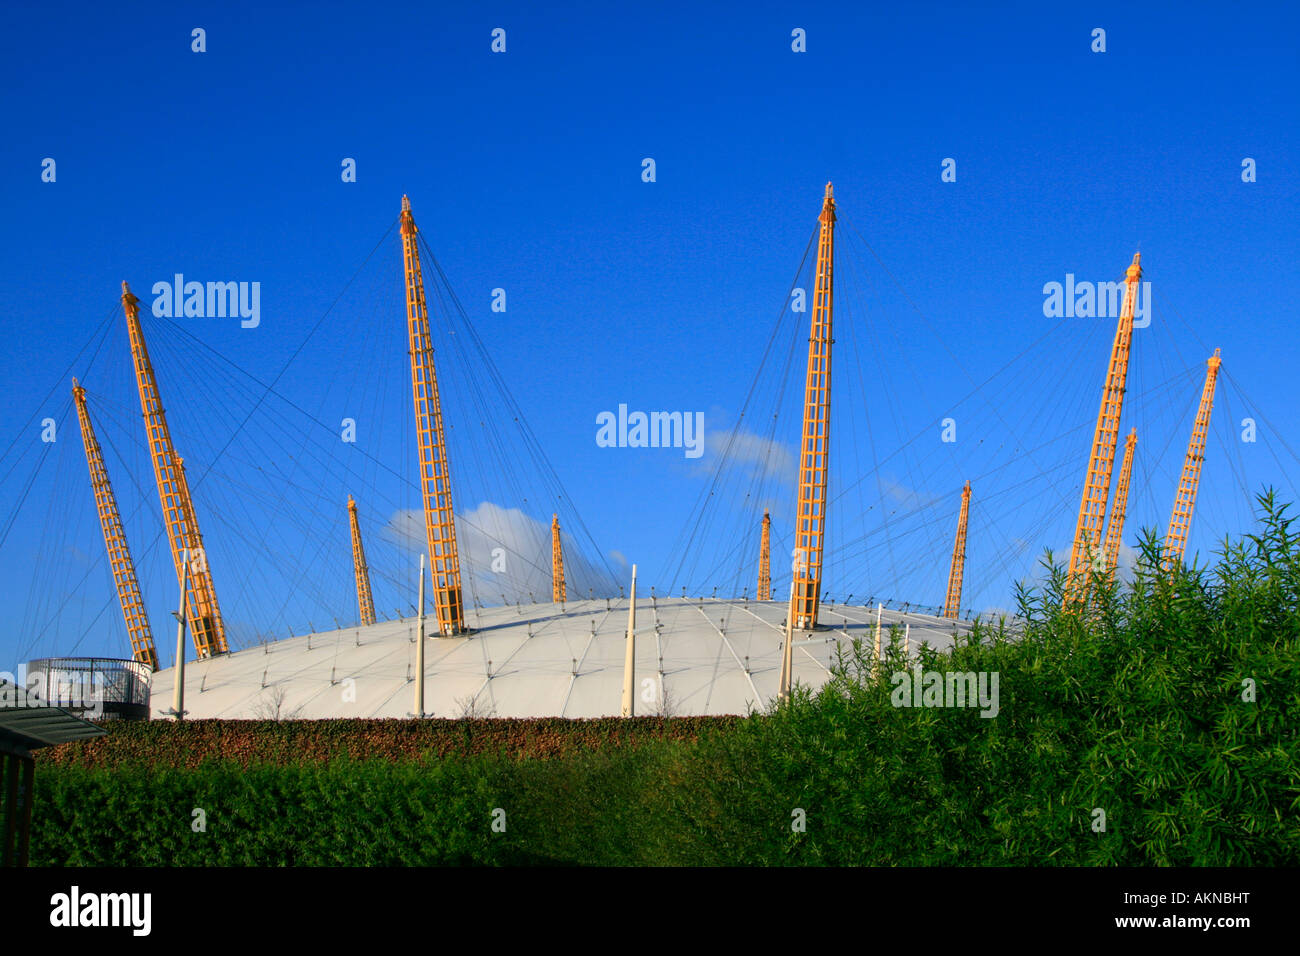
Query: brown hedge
[[164, 743]]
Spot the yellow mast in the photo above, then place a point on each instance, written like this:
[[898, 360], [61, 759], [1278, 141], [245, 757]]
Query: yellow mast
[[119, 555], [365, 603], [1180, 521], [435, 480], [1086, 554], [1115, 529], [952, 606], [810, 520], [557, 562], [183, 535], [198, 554], [765, 560]]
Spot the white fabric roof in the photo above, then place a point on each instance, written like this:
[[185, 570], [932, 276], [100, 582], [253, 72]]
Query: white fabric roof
[[537, 660]]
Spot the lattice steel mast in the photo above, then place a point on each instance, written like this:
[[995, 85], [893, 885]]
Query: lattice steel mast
[[1115, 529], [952, 605], [198, 554], [1180, 521], [557, 562], [765, 559], [1086, 554], [435, 480], [119, 555], [206, 626], [810, 520], [360, 570]]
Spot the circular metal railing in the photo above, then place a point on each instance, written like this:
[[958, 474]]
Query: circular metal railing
[[97, 688]]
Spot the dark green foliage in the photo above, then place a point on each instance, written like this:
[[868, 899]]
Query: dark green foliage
[[1135, 707], [582, 808]]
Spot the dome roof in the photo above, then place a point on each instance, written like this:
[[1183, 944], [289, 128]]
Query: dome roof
[[693, 657]]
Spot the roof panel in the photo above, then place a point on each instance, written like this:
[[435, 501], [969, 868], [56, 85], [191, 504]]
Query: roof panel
[[32, 727]]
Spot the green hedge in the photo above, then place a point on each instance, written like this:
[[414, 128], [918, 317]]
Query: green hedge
[[165, 743], [587, 808]]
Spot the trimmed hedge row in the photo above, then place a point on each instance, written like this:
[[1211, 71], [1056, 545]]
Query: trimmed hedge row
[[164, 743], [342, 813]]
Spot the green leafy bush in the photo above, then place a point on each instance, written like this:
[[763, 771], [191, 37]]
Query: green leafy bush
[[1171, 705]]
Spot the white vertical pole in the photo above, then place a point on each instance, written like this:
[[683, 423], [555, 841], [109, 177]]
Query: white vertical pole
[[419, 649], [629, 659], [787, 651], [907, 640], [178, 692], [880, 609]]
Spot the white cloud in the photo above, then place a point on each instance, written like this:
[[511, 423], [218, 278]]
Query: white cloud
[[746, 448], [505, 555], [908, 497]]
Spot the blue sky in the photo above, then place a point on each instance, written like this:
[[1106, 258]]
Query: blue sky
[[525, 172]]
